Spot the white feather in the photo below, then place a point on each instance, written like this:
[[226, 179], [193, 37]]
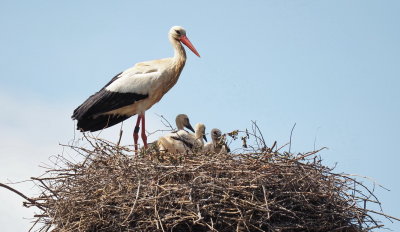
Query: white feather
[[133, 82], [168, 144]]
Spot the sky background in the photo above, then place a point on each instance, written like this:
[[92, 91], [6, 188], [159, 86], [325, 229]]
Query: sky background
[[331, 67]]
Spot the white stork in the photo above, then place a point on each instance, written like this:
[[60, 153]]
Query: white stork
[[182, 141], [135, 90], [218, 144]]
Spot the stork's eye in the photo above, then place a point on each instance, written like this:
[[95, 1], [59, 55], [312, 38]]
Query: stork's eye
[[178, 32]]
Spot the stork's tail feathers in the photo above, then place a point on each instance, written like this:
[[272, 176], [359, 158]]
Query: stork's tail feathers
[[99, 122]]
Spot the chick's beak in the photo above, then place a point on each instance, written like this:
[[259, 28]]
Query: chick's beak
[[188, 126]]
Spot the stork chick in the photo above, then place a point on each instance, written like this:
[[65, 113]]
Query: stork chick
[[217, 144], [182, 141]]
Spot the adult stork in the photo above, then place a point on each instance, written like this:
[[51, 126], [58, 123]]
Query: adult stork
[[135, 90]]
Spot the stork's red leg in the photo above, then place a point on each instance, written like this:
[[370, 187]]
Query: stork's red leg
[[144, 136], [136, 132]]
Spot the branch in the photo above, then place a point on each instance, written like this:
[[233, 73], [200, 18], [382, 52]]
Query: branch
[[290, 141], [22, 195]]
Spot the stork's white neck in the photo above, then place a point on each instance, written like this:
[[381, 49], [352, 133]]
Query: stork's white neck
[[199, 134], [179, 51], [214, 141]]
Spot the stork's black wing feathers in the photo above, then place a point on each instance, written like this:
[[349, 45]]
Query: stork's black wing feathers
[[104, 101], [100, 122], [89, 112]]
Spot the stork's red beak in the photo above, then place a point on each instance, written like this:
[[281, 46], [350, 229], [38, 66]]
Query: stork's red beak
[[187, 42]]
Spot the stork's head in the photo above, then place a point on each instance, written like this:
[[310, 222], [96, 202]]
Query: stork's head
[[182, 120], [201, 131], [215, 134], [179, 33]]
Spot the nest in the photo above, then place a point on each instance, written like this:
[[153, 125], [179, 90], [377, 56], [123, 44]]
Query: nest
[[114, 190]]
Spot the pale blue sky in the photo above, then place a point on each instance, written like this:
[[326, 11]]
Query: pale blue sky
[[332, 67]]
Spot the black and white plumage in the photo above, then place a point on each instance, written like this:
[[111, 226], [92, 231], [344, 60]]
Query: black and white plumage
[[92, 114], [183, 141], [134, 90]]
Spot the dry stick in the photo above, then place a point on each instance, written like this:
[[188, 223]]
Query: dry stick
[[212, 226], [156, 211], [307, 154], [134, 203], [273, 146], [375, 227], [290, 141], [370, 179], [259, 131], [87, 139], [46, 187], [153, 132], [34, 224], [382, 214], [23, 196], [166, 123], [243, 221], [48, 228], [282, 147], [252, 134], [315, 138], [165, 120], [120, 134], [266, 202], [198, 214], [360, 184]]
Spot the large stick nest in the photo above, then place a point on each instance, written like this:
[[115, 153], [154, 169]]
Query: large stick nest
[[114, 190]]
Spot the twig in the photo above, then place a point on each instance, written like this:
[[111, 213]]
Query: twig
[[307, 154], [259, 131], [134, 204], [42, 182], [266, 202], [383, 214], [156, 212], [120, 134], [34, 203], [290, 141]]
